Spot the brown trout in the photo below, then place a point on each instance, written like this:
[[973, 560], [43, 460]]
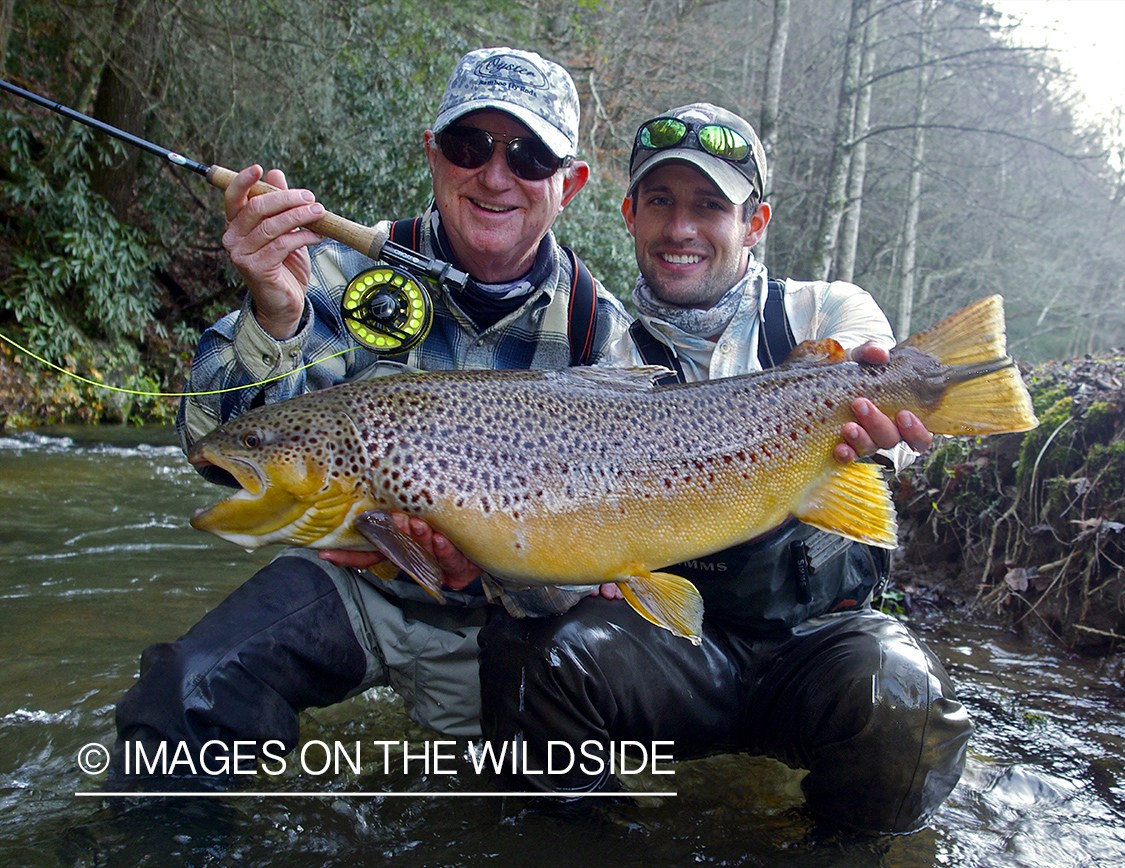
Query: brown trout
[[587, 475]]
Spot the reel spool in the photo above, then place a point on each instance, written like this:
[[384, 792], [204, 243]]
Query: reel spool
[[387, 310]]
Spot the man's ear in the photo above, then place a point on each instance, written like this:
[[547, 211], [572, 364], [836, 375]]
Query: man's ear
[[630, 215], [758, 224], [429, 144], [574, 180]]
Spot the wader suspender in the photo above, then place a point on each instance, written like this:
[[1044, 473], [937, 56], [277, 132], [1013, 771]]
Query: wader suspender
[[582, 319], [774, 342]]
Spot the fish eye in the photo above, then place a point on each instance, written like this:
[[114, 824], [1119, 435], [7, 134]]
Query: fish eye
[[251, 439]]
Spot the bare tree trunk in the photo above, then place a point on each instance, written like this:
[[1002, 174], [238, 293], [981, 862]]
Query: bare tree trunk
[[771, 99], [914, 192], [7, 9], [849, 228], [122, 97], [835, 197]]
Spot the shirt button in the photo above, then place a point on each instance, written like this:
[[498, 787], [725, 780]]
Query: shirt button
[[266, 360], [724, 347], [294, 354]]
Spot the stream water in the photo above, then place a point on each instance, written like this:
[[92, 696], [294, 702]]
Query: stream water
[[97, 561]]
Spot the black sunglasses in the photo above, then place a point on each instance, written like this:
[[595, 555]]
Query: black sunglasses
[[471, 148]]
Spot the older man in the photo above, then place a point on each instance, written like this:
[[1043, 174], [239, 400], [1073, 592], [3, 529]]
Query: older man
[[794, 662], [308, 629]]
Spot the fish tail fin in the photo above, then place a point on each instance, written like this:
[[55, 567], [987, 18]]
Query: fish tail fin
[[970, 336], [853, 501], [666, 601], [984, 393], [996, 402]]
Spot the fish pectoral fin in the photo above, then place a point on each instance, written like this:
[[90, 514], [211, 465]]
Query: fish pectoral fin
[[667, 601], [379, 529], [853, 501]]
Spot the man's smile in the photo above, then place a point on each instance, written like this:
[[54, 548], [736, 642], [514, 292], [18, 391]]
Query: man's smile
[[495, 209], [682, 258]]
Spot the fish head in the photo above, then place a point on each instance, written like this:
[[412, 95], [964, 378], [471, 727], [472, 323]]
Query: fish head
[[301, 470]]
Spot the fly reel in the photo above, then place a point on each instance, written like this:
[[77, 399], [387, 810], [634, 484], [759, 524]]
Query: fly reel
[[387, 310]]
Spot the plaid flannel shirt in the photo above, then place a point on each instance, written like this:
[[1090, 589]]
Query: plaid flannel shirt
[[237, 352]]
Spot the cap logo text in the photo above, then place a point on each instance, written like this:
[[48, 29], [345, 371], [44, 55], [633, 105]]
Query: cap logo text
[[512, 69]]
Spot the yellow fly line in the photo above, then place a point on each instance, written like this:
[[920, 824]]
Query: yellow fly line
[[145, 394]]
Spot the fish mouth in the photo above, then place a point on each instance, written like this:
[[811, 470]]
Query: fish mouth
[[251, 481]]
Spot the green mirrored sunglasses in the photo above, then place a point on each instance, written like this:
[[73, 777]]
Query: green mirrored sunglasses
[[715, 139]]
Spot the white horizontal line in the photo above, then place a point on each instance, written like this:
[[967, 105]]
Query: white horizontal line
[[328, 795]]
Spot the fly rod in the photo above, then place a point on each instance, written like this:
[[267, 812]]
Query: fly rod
[[387, 308]]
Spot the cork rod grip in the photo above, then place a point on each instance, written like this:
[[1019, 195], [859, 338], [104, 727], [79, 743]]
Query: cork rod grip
[[366, 239]]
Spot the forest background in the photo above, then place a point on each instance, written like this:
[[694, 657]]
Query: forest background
[[914, 148]]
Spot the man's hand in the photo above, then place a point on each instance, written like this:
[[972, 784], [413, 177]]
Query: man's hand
[[269, 248], [873, 430], [457, 571]]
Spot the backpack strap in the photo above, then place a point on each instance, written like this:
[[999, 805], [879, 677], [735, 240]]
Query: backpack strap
[[581, 315], [408, 233], [775, 337], [656, 353]]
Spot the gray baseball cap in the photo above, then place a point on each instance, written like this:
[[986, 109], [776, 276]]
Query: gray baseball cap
[[537, 92], [735, 180]]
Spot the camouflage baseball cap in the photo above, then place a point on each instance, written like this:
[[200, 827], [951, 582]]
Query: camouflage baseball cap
[[536, 92], [704, 138]]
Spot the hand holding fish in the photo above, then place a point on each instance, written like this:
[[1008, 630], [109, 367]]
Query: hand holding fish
[[267, 244], [873, 430]]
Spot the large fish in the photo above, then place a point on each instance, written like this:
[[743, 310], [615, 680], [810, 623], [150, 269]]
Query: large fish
[[588, 475]]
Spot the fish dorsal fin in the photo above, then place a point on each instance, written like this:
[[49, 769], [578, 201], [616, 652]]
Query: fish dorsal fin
[[378, 528], [667, 601], [639, 379], [853, 501]]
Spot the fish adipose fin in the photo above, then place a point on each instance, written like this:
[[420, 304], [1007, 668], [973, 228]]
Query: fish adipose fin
[[853, 501], [667, 601], [378, 528], [823, 351], [982, 391]]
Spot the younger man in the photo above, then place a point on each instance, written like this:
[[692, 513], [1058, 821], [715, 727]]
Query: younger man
[[807, 673]]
